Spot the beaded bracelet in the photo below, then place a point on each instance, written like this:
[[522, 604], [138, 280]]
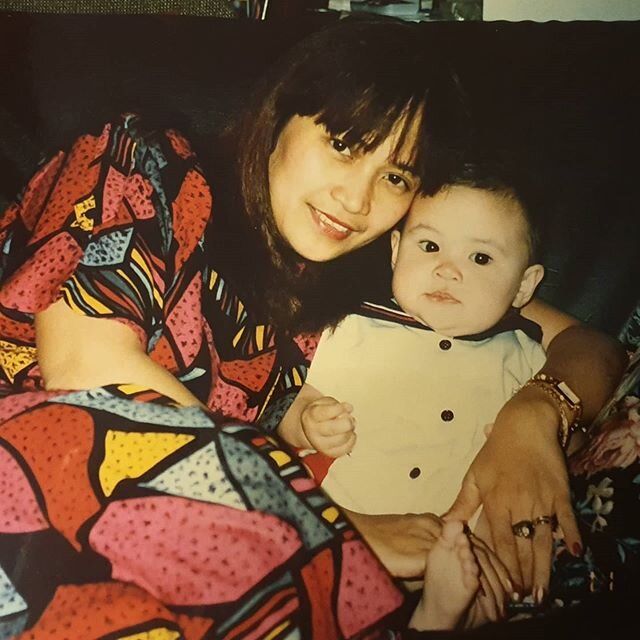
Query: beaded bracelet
[[567, 402]]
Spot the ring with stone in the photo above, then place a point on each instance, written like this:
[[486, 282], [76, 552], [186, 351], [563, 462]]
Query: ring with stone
[[523, 529]]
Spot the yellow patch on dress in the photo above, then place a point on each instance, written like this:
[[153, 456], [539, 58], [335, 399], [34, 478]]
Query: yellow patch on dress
[[237, 337], [129, 455], [276, 632], [161, 633], [86, 297], [15, 358], [280, 457], [260, 337], [132, 389], [330, 514], [80, 210]]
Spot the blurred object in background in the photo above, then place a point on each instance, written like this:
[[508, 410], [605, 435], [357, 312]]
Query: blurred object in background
[[411, 10], [457, 9], [563, 10], [340, 5], [213, 8], [278, 9]]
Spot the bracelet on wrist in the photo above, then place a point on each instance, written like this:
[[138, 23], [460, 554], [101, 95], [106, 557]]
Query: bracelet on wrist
[[566, 401]]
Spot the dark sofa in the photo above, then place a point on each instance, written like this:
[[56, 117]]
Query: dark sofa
[[565, 94]]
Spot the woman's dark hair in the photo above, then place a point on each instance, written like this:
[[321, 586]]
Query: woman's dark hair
[[360, 80]]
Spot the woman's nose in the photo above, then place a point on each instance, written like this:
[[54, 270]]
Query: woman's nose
[[354, 192]]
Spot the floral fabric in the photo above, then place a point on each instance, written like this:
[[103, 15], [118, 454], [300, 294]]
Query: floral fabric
[[605, 480]]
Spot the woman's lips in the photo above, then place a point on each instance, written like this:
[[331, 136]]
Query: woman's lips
[[331, 226], [442, 296]]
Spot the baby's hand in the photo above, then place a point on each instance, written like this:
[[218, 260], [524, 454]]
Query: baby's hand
[[329, 426]]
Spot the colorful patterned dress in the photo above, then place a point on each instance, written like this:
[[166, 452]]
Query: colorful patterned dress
[[122, 515]]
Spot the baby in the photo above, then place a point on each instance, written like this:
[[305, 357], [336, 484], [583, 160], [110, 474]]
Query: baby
[[426, 374]]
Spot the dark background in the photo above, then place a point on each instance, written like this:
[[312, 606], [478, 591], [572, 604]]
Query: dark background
[[565, 95]]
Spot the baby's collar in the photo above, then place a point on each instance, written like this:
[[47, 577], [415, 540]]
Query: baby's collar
[[511, 321]]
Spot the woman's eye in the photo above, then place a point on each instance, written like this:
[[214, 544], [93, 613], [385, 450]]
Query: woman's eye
[[481, 258], [398, 181], [340, 146], [429, 247]]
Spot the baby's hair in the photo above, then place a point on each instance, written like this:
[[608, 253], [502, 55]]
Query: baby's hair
[[506, 181]]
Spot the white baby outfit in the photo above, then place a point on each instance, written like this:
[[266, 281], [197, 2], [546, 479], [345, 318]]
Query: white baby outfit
[[421, 402]]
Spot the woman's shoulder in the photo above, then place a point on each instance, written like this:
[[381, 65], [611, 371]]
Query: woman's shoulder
[[129, 137], [153, 131]]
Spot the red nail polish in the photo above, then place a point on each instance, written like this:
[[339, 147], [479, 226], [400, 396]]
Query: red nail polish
[[576, 549]]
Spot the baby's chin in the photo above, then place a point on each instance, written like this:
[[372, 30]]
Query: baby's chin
[[452, 331]]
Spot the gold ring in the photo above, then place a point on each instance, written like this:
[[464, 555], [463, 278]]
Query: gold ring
[[551, 520], [523, 529]]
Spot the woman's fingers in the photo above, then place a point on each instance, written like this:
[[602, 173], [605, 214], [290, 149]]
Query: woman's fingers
[[401, 542], [525, 555], [498, 567], [487, 600], [494, 590], [568, 525], [542, 544], [506, 548]]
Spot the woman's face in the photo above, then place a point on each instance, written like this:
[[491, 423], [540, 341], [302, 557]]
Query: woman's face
[[328, 199]]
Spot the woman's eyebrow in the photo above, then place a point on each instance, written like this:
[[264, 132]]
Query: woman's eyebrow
[[405, 167]]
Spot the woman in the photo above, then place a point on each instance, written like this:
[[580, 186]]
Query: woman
[[127, 308]]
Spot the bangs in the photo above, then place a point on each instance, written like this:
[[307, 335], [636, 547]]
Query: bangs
[[365, 82], [365, 125], [364, 118]]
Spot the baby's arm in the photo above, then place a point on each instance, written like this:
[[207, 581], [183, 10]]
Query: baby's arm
[[319, 422]]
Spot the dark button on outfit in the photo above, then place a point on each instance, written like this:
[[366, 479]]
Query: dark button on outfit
[[415, 472], [445, 345], [447, 415]]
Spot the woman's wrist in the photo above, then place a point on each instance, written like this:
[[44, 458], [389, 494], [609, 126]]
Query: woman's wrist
[[531, 404], [565, 401]]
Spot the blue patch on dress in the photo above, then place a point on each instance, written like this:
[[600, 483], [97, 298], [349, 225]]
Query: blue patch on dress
[[146, 413], [13, 608], [109, 249], [268, 493]]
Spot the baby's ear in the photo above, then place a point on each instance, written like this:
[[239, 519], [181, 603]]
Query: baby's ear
[[395, 243], [530, 280]]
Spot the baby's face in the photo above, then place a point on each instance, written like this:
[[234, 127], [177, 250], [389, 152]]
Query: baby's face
[[461, 260]]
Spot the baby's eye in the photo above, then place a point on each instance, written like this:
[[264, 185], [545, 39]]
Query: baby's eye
[[481, 258], [340, 146], [429, 247]]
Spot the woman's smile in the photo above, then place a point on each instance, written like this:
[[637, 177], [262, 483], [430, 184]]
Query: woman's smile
[[331, 226]]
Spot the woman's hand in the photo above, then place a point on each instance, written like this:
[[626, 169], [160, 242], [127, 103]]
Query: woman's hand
[[401, 542], [495, 586], [520, 474]]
